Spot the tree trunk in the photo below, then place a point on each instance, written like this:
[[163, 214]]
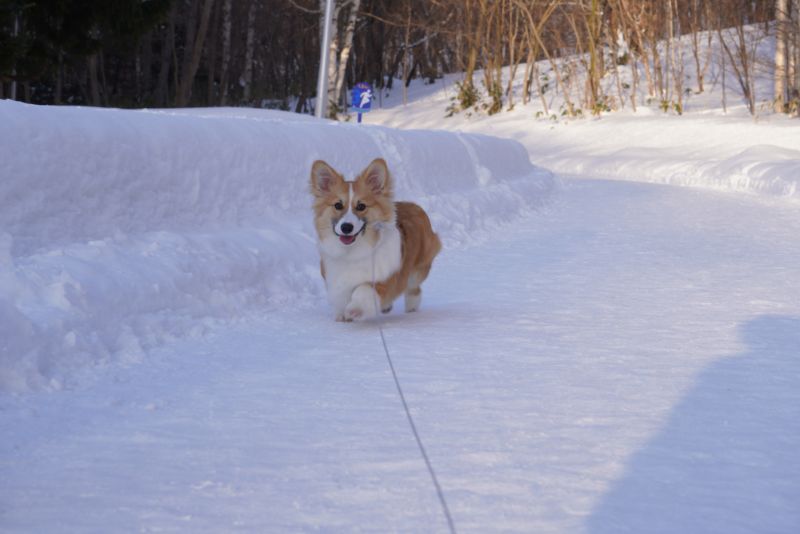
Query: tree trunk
[[675, 56], [101, 64], [211, 58], [740, 63], [724, 84], [192, 54], [188, 16], [226, 52], [472, 47], [167, 54], [514, 55], [527, 78], [94, 84], [250, 49], [595, 57], [795, 59], [406, 44], [634, 79], [613, 44], [344, 55], [781, 63], [540, 89], [536, 43], [59, 78], [13, 88]]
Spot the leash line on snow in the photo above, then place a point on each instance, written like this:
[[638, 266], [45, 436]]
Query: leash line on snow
[[423, 452], [435, 480]]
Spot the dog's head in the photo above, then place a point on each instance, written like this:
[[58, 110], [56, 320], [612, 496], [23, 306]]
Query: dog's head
[[347, 212]]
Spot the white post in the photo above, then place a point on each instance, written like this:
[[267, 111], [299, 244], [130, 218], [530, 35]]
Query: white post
[[322, 79]]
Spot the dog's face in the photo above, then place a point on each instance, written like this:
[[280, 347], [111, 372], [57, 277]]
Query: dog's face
[[350, 212]]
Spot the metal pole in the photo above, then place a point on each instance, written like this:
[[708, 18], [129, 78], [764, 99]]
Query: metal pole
[[322, 79]]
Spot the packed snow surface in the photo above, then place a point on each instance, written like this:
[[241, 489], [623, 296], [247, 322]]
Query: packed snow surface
[[595, 353]]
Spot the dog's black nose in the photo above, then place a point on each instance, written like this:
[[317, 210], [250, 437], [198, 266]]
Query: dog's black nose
[[347, 228]]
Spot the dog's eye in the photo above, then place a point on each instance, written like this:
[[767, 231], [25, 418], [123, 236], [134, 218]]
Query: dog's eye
[[361, 206], [339, 206]]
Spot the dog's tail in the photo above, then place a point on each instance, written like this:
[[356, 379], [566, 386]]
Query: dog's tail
[[435, 245]]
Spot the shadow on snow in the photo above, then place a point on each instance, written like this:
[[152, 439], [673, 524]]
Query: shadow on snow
[[728, 459]]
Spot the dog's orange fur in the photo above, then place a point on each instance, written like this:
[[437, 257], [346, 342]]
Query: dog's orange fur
[[420, 247]]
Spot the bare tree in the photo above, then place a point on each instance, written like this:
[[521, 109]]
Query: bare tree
[[787, 57], [195, 37], [781, 52], [794, 60], [227, 24], [250, 51], [347, 46], [675, 54], [737, 47]]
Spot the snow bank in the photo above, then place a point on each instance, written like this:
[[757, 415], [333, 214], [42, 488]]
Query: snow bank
[[733, 155], [122, 229]]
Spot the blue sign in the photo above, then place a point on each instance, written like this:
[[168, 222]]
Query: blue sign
[[361, 98]]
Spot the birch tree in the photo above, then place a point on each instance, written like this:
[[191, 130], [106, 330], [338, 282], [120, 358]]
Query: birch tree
[[347, 46], [781, 54], [795, 59], [787, 57]]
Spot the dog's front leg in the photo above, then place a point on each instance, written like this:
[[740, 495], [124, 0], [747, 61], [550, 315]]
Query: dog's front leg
[[363, 304]]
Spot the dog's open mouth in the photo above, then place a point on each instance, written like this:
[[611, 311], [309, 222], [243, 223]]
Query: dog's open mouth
[[347, 239]]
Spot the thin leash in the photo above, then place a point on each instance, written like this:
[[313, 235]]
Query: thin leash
[[421, 447]]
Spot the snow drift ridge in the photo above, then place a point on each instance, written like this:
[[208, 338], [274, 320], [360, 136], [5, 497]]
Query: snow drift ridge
[[122, 229]]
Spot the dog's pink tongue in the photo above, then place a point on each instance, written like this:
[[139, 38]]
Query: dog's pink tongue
[[347, 239]]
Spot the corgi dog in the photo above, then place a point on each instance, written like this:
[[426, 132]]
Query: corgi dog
[[372, 248]]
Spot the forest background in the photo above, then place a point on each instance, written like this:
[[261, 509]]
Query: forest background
[[266, 53]]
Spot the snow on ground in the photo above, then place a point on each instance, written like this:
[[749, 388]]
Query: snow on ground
[[624, 361], [120, 230]]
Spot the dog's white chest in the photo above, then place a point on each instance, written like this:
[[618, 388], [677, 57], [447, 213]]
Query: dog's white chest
[[362, 264]]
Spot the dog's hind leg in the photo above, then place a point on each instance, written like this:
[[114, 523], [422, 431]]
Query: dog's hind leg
[[413, 294], [413, 298]]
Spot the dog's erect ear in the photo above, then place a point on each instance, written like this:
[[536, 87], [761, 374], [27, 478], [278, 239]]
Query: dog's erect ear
[[377, 178], [323, 178]]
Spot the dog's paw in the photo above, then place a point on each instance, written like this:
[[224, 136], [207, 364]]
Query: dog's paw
[[387, 309], [412, 303], [353, 313], [363, 304]]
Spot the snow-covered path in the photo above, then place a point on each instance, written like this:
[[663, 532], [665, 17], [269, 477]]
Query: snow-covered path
[[626, 361]]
